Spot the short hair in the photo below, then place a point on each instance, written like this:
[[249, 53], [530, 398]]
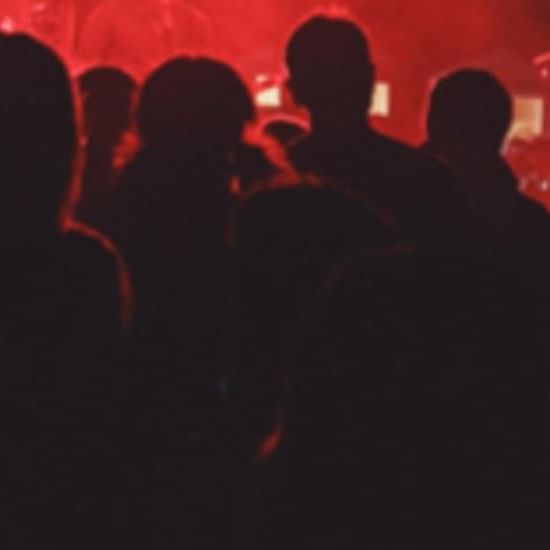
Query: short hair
[[471, 108], [330, 55]]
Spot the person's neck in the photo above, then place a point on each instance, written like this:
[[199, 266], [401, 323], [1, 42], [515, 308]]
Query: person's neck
[[352, 125], [475, 157], [481, 167]]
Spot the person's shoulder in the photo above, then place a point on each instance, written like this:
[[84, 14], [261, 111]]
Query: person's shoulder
[[407, 157], [84, 241], [534, 214], [95, 255], [430, 179], [303, 152]]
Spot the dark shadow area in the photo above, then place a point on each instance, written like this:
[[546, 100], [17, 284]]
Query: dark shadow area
[[64, 295]]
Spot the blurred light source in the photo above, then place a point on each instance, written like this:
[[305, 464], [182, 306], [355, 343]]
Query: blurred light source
[[381, 100], [271, 97], [528, 117], [7, 25], [542, 64]]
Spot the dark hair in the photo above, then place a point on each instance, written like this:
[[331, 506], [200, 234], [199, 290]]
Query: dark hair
[[329, 58], [107, 81], [107, 102], [194, 99], [470, 108], [38, 133]]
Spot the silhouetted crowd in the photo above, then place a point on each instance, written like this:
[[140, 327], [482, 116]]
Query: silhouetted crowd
[[219, 332]]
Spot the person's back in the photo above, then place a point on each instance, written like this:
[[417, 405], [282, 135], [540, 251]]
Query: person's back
[[63, 299], [336, 84], [288, 241], [416, 412], [62, 290]]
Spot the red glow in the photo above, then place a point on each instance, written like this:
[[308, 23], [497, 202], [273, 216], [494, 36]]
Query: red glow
[[413, 39], [268, 447]]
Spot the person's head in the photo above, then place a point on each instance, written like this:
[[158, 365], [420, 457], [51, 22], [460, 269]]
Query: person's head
[[38, 134], [330, 67], [194, 101], [288, 236], [107, 101], [469, 112]]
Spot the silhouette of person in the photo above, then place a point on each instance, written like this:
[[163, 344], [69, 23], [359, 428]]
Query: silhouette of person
[[332, 75], [469, 115], [171, 213], [139, 36], [415, 412], [107, 102], [287, 241], [64, 304]]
